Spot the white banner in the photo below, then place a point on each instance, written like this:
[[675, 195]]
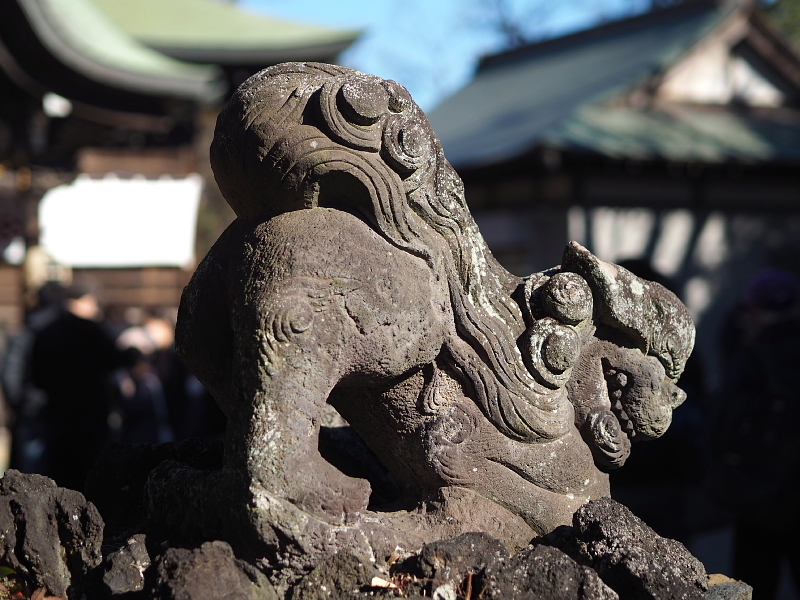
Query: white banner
[[114, 222]]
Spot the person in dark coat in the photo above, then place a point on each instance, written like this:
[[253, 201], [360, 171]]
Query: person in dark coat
[[71, 362]]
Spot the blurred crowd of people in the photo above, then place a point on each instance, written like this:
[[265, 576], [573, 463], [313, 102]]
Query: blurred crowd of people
[[74, 381]]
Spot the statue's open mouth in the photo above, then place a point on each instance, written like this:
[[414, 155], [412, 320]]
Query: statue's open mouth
[[618, 383], [636, 405], [625, 422], [642, 397]]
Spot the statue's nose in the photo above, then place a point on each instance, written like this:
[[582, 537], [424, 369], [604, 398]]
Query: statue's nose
[[677, 396]]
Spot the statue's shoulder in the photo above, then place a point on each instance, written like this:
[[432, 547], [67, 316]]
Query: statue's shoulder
[[319, 225], [322, 238]]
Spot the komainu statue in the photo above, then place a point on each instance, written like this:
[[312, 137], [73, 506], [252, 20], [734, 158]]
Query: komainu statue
[[355, 277]]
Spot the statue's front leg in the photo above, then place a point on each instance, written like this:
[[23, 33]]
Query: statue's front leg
[[284, 381]]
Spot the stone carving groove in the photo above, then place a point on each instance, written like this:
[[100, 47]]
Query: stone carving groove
[[355, 275]]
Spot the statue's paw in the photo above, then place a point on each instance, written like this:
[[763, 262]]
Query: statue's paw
[[339, 502]]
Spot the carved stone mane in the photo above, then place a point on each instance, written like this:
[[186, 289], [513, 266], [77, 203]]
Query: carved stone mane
[[299, 136]]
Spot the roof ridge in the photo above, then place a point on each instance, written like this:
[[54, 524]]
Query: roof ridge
[[189, 25], [84, 40], [609, 27]]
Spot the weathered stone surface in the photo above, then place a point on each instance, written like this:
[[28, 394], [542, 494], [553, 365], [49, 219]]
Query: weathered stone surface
[[355, 276], [51, 536], [631, 558], [209, 572]]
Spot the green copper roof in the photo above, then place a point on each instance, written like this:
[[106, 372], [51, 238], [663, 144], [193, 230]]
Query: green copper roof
[[693, 133], [518, 98], [216, 25], [84, 39]]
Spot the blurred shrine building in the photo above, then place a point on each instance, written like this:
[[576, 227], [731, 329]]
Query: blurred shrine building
[[107, 109], [671, 139]]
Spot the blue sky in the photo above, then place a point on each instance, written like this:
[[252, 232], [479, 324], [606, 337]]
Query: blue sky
[[433, 46]]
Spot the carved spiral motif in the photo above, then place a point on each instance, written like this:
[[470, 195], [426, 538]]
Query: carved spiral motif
[[550, 349], [567, 297], [609, 443], [354, 111], [433, 402], [364, 104], [293, 317], [407, 144], [454, 427], [560, 349], [375, 115], [371, 114], [408, 149]]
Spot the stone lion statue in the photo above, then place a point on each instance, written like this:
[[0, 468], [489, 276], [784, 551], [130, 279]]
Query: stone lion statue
[[355, 277]]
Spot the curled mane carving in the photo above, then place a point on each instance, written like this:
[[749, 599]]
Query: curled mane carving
[[298, 136]]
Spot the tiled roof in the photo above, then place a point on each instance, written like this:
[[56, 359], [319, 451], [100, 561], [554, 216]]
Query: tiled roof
[[75, 36], [221, 32], [555, 91]]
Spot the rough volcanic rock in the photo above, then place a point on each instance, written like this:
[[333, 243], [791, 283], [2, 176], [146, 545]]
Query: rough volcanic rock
[[117, 480], [452, 560], [608, 554], [125, 568], [476, 565], [545, 573], [633, 559], [721, 587], [209, 572], [51, 536], [339, 577]]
